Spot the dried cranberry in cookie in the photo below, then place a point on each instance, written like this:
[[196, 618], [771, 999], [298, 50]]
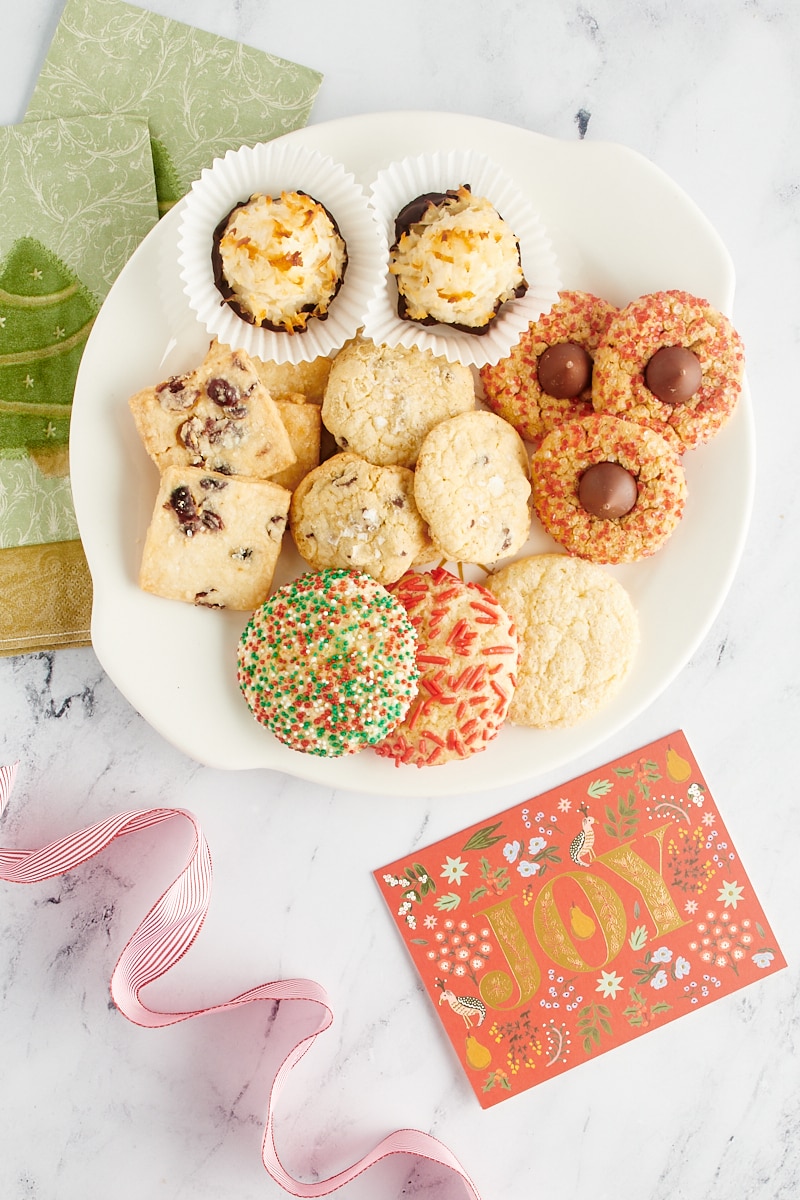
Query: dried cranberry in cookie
[[546, 377], [455, 261], [672, 361], [218, 416], [213, 539]]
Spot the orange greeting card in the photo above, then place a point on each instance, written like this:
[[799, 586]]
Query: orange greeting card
[[581, 919]]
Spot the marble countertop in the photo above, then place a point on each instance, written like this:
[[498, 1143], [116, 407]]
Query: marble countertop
[[703, 1109]]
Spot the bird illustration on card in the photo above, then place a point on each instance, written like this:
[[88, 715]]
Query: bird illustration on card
[[578, 921]]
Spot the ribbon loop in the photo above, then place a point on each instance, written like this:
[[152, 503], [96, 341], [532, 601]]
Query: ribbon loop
[[161, 940]]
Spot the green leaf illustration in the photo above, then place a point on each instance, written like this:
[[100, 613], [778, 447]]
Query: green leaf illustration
[[638, 938], [599, 787], [482, 839], [623, 823], [448, 903]]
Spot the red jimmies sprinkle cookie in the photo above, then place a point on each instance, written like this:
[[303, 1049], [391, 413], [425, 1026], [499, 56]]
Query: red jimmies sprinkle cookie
[[547, 377], [467, 658], [328, 663], [671, 361], [608, 490]]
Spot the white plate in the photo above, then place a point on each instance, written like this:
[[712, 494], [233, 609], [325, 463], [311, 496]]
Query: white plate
[[620, 228]]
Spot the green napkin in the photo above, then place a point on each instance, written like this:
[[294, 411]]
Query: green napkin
[[202, 94], [77, 196], [128, 109]]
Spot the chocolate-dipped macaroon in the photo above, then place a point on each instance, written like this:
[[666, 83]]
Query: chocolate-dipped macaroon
[[279, 261], [455, 261]]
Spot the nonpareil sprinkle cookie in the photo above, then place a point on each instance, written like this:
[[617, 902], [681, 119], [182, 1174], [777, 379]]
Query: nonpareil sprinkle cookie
[[328, 663], [608, 490], [672, 361], [547, 376], [467, 655], [578, 634]]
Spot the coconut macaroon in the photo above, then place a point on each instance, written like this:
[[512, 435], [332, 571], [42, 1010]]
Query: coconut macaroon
[[455, 261], [279, 261]]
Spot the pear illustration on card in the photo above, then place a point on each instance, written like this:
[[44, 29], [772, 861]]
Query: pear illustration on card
[[46, 314]]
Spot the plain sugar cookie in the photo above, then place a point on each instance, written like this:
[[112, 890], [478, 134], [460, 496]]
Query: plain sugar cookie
[[578, 634]]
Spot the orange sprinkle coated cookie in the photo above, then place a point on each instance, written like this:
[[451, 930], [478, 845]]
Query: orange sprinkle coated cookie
[[608, 490], [467, 658], [328, 663], [547, 377], [672, 361]]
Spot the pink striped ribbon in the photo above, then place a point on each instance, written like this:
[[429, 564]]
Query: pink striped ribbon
[[162, 939]]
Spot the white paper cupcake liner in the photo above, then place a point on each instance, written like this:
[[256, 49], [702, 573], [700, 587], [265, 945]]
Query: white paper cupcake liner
[[408, 178], [272, 167]]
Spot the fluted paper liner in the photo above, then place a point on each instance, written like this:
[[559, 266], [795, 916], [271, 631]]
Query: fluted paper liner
[[273, 167], [410, 177]]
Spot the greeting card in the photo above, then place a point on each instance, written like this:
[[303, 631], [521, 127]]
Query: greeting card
[[581, 919]]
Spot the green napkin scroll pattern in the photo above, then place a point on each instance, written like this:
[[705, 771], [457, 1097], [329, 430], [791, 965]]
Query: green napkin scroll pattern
[[202, 94]]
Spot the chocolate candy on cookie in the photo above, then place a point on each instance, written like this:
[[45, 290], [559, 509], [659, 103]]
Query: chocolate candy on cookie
[[672, 361], [467, 655], [327, 663], [608, 490], [547, 376], [578, 634]]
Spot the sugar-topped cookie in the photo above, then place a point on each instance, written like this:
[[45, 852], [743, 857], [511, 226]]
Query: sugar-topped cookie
[[381, 401]]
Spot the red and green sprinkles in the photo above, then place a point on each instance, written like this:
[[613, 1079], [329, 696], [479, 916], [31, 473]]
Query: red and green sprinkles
[[328, 663]]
